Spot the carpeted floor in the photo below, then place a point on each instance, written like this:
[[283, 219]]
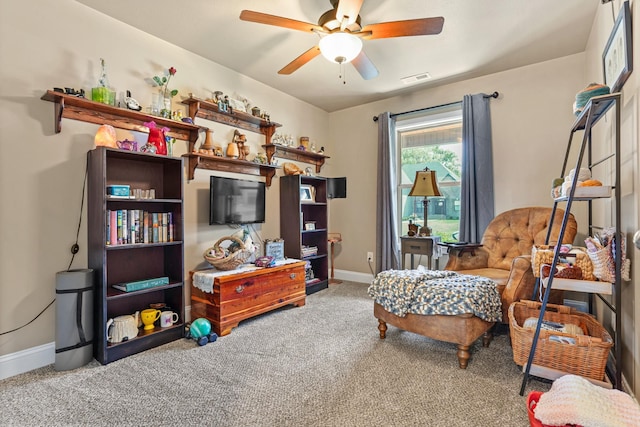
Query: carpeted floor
[[318, 365]]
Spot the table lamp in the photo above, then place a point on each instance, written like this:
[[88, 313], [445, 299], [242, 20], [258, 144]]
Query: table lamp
[[425, 185]]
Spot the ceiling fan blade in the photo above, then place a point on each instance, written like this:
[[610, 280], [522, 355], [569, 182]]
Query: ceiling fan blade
[[365, 67], [300, 60], [278, 21], [411, 27], [347, 11]]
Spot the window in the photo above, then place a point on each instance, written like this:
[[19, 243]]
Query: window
[[433, 139]]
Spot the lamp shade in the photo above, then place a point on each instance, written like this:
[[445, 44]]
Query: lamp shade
[[425, 184], [340, 47]]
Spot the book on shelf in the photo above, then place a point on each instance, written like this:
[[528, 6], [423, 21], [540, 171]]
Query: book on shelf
[[141, 284], [133, 226]]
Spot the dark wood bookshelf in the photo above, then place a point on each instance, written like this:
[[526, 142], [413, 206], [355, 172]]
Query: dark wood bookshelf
[[294, 213], [135, 261]]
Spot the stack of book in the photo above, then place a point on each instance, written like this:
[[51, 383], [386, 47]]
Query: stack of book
[[308, 251]]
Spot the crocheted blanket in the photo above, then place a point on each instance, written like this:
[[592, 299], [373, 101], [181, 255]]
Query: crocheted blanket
[[574, 400], [430, 292]]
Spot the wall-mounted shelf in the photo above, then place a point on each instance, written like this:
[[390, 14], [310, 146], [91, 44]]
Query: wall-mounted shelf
[[209, 110], [296, 154], [227, 164], [76, 108]]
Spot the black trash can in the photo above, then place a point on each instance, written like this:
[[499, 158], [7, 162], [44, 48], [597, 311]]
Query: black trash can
[[74, 319]]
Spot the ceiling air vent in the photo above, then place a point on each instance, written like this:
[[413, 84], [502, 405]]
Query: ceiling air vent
[[416, 78]]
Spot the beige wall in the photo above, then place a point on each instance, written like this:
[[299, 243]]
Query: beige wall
[[530, 120], [41, 172], [46, 44]]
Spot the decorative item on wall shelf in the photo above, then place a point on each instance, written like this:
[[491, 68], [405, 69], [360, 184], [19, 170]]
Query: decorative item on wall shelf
[[103, 92], [617, 58], [237, 105], [240, 139], [165, 95], [131, 103], [255, 111], [232, 150]]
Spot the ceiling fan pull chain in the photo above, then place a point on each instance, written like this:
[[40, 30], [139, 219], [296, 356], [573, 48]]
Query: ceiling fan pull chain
[[341, 73]]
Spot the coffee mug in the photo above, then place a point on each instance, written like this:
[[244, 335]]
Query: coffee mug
[[149, 316], [168, 318]]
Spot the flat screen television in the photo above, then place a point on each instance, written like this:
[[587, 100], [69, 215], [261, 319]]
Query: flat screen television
[[236, 201]]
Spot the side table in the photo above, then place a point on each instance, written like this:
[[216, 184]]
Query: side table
[[419, 245]]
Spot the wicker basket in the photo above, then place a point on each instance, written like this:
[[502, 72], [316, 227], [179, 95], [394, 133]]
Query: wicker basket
[[587, 358], [217, 256], [543, 254]]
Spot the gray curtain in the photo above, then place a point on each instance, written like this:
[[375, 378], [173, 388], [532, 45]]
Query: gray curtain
[[476, 210], [387, 250]]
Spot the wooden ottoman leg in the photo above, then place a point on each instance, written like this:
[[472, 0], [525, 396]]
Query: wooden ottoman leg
[[382, 327], [486, 338], [463, 356]]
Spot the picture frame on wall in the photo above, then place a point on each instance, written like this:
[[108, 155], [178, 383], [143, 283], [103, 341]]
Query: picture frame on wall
[[617, 60]]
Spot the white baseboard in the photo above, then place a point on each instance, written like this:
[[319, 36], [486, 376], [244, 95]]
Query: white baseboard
[[353, 276], [27, 360]]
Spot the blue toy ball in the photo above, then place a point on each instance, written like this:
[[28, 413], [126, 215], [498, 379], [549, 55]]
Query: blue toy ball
[[200, 330]]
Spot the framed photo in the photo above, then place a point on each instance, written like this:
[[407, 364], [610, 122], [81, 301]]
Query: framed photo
[[310, 225], [307, 194], [274, 248], [617, 60]]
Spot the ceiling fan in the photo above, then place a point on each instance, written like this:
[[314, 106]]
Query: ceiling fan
[[342, 33]]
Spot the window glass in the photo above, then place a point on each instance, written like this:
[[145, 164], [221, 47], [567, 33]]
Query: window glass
[[431, 139]]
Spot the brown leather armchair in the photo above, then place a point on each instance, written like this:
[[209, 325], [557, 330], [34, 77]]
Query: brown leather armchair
[[505, 255]]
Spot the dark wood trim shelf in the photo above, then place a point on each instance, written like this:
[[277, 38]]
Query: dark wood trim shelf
[[296, 154], [76, 108], [226, 164], [209, 110]]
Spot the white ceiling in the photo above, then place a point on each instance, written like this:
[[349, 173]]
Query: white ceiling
[[479, 37]]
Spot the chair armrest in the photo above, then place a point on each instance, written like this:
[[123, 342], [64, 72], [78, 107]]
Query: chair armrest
[[468, 260], [521, 281]]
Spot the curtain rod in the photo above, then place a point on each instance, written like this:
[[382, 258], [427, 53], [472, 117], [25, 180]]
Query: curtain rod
[[493, 95]]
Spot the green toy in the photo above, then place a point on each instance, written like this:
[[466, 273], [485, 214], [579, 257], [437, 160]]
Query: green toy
[[200, 330]]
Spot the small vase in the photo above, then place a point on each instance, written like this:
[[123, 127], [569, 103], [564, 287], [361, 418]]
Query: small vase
[[166, 108], [157, 103]]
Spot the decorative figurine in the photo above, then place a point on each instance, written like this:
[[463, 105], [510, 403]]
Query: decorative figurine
[[240, 139], [131, 103]]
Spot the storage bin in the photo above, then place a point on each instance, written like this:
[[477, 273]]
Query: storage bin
[[532, 401], [543, 254], [587, 357]]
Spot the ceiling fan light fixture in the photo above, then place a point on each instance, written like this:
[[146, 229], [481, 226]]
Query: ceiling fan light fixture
[[340, 47]]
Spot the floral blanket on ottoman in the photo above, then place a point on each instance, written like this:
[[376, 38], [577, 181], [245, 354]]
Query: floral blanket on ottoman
[[429, 292]]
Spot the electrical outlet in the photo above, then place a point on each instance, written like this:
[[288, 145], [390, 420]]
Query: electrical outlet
[[369, 256]]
